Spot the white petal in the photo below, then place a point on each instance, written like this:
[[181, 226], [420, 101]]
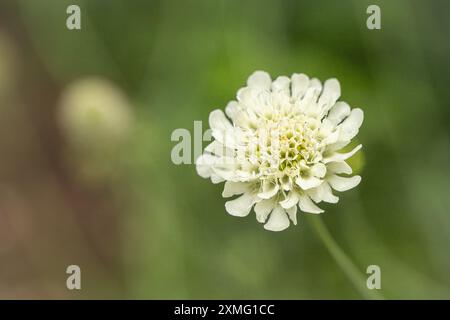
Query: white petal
[[341, 156], [278, 220], [222, 130], [331, 92], [319, 170], [316, 193], [213, 146], [218, 149], [286, 184], [308, 183], [232, 188], [299, 84], [292, 213], [307, 104], [269, 189], [281, 84], [247, 97], [306, 205], [339, 167], [316, 85], [226, 172], [350, 127], [204, 165], [338, 145], [309, 101], [217, 120], [263, 209], [232, 109], [242, 120], [260, 79], [290, 201], [240, 207], [343, 183], [327, 193], [323, 193], [332, 137], [338, 112], [216, 179]]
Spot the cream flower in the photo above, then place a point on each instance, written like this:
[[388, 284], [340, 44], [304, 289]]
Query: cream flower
[[278, 148]]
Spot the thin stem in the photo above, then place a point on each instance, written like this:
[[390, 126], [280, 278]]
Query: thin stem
[[344, 262]]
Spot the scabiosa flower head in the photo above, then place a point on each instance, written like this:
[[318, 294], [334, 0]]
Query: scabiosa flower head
[[279, 148]]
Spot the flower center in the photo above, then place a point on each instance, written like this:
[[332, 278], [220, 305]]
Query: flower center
[[281, 145]]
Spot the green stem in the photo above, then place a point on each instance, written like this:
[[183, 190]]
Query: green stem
[[344, 262]]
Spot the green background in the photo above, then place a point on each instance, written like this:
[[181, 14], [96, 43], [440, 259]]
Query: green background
[[140, 226]]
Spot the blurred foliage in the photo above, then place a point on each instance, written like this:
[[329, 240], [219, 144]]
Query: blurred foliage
[[178, 60]]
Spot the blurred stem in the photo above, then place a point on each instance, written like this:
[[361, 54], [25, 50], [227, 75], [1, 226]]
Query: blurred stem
[[344, 262]]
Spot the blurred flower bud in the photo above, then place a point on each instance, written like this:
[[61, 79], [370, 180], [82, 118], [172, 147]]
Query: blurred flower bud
[[95, 114], [96, 119]]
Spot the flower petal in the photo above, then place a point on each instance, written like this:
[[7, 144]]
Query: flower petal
[[332, 137], [240, 207], [327, 193], [218, 149], [338, 112], [225, 168], [216, 179], [341, 156], [308, 182], [323, 193], [232, 109], [308, 104], [269, 189], [306, 205], [331, 92], [260, 80], [350, 126], [281, 84], [343, 183], [292, 213], [339, 167], [232, 188], [204, 165], [217, 120], [263, 209], [286, 183], [316, 85], [222, 130], [319, 170], [278, 220], [248, 98], [290, 201], [299, 84]]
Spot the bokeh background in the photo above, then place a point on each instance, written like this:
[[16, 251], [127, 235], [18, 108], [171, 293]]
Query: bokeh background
[[86, 176]]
